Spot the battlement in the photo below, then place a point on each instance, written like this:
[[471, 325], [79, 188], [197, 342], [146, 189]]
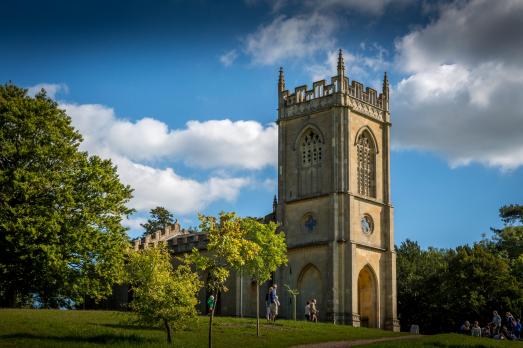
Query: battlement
[[177, 239], [337, 93], [320, 89]]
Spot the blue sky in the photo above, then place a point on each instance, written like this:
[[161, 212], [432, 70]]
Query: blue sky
[[182, 96]]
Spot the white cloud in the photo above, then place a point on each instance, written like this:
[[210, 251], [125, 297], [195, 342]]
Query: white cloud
[[52, 89], [228, 57], [208, 144], [290, 37], [465, 79], [163, 187], [213, 144], [134, 223]]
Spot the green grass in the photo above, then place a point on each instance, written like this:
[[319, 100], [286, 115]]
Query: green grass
[[77, 329], [54, 328], [448, 341]]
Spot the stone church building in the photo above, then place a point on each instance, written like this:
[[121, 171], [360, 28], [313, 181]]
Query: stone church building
[[333, 205]]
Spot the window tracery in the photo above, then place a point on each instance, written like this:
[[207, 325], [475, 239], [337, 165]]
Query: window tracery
[[311, 149], [366, 165]]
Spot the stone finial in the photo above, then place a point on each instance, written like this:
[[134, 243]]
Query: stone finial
[[385, 84], [341, 72], [281, 81], [341, 64], [386, 91], [274, 204]]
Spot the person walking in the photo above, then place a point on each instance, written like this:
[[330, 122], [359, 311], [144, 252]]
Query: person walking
[[273, 296], [308, 311], [314, 311], [268, 304]]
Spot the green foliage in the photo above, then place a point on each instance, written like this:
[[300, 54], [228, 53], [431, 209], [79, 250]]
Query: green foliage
[[511, 213], [162, 295], [227, 249], [271, 252], [440, 289], [159, 220], [60, 209]]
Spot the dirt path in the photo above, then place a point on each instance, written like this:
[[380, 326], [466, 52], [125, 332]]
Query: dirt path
[[344, 344]]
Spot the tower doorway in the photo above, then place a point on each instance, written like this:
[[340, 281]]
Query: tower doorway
[[367, 298], [309, 286]]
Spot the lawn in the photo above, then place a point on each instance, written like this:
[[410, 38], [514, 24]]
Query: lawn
[[55, 328]]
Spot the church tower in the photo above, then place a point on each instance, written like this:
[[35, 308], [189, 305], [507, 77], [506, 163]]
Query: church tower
[[334, 200]]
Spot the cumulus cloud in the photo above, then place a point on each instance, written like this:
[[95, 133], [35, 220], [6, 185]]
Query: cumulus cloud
[[208, 144], [163, 187], [228, 57], [52, 89], [464, 80], [213, 144], [290, 37]]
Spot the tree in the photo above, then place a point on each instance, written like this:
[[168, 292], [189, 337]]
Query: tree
[[159, 220], [60, 210], [439, 289], [162, 295], [420, 279], [271, 253], [227, 250]]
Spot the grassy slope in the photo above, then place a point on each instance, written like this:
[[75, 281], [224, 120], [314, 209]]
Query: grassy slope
[[48, 328]]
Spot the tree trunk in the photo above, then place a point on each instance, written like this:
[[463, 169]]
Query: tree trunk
[[168, 329], [211, 317], [257, 308]]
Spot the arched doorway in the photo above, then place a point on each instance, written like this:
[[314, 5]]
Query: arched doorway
[[309, 286], [367, 298]]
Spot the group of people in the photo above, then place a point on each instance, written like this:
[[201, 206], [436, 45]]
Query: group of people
[[272, 303], [311, 311], [506, 328]]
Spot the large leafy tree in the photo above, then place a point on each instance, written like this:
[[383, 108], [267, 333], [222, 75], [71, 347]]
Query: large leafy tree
[[439, 289], [60, 209], [160, 219], [271, 253], [162, 295], [227, 249]]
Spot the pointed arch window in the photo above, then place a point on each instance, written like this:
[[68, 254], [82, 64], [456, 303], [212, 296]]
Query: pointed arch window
[[366, 165], [311, 149]]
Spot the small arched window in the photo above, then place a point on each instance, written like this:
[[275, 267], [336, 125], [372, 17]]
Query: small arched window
[[311, 148], [366, 165]]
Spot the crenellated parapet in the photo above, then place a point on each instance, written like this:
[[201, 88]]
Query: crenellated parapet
[[339, 92], [177, 239], [152, 240]]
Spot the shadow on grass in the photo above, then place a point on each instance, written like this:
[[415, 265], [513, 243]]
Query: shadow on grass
[[129, 326], [100, 339], [453, 345]]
